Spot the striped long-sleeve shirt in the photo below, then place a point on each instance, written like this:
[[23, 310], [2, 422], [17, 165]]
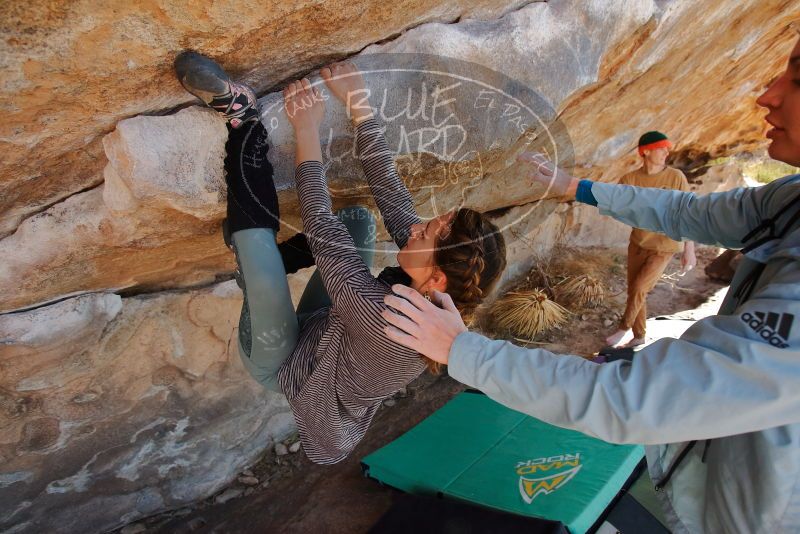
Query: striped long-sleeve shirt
[[344, 366]]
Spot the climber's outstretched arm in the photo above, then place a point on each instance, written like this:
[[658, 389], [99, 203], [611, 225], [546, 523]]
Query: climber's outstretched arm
[[390, 193], [344, 272]]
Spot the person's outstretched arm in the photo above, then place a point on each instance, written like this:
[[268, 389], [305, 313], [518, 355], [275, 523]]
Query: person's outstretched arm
[[721, 219], [390, 193], [720, 378]]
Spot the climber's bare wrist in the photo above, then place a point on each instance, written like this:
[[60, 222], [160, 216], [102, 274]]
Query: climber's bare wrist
[[360, 112], [308, 146]]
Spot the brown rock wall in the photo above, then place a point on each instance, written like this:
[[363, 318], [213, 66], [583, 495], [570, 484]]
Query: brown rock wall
[[695, 75], [72, 70], [621, 68], [112, 409]]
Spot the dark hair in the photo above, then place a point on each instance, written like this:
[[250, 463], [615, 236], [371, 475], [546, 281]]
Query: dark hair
[[472, 256]]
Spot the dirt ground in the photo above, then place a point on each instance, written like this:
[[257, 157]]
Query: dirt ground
[[295, 495]]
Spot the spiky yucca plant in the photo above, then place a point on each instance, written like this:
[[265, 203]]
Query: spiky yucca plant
[[526, 313], [580, 291]]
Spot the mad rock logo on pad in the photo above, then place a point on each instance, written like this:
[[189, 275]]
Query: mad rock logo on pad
[[546, 475]]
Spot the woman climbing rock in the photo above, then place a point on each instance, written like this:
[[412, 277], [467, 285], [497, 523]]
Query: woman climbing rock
[[330, 357]]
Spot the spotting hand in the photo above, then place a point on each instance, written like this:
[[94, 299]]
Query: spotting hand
[[429, 327]]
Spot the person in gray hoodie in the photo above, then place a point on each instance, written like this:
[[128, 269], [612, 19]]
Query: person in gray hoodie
[[719, 408]]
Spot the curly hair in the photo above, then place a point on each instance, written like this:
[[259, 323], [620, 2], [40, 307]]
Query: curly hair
[[472, 256]]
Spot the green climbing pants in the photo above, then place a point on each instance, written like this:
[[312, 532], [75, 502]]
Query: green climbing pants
[[269, 326]]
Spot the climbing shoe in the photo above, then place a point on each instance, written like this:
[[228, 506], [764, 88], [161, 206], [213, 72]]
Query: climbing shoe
[[205, 79]]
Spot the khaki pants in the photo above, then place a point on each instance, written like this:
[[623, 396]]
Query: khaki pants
[[644, 269]]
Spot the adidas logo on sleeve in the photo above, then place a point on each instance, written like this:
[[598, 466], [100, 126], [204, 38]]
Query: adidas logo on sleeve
[[774, 328]]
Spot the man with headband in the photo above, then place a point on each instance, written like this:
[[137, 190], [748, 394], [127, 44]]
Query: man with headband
[[649, 253]]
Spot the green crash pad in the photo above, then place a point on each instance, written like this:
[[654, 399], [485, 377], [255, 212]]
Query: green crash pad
[[476, 450]]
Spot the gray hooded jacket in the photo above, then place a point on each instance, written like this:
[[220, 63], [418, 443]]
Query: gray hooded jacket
[[733, 378]]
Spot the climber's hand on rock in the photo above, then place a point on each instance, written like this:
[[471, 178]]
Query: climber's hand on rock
[[544, 172], [305, 108], [347, 84], [304, 105]]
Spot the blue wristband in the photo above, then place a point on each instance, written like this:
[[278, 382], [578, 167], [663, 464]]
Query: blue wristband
[[584, 193]]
